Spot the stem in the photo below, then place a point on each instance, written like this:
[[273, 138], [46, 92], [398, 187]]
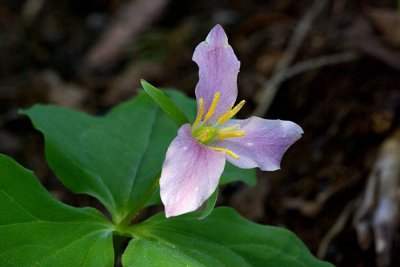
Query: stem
[[118, 243], [136, 208]]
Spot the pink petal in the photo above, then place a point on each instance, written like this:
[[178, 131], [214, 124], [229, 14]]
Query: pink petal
[[263, 145], [190, 173], [218, 70]]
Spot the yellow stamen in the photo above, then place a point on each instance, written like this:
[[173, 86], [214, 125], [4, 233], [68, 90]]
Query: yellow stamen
[[228, 115], [213, 106], [229, 129], [227, 151], [200, 111], [231, 135]]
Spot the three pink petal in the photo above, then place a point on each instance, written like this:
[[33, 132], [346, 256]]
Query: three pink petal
[[191, 170]]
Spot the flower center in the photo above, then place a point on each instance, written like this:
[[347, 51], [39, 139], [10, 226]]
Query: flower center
[[206, 133]]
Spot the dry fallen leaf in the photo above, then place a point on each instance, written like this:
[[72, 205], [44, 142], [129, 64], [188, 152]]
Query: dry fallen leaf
[[377, 216]]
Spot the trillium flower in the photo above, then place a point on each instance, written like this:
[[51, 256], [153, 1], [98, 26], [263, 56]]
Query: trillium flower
[[196, 158]]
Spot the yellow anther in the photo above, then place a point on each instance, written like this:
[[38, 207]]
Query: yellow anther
[[213, 106], [227, 151], [228, 115], [229, 129], [200, 111], [231, 135]]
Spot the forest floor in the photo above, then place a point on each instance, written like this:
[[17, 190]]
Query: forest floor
[[333, 67]]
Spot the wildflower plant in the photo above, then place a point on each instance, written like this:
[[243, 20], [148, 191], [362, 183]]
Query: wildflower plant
[[143, 149]]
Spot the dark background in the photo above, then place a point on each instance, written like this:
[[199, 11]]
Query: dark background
[[91, 55]]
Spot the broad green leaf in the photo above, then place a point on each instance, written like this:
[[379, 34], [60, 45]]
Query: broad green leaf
[[187, 104], [115, 158], [222, 239], [232, 173], [38, 230], [172, 110], [141, 252]]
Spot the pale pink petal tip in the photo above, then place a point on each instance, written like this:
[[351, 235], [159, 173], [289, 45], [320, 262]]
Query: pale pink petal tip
[[217, 36]]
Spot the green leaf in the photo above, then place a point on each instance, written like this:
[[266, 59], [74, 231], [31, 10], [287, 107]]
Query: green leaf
[[212, 200], [172, 110], [187, 104], [141, 252], [222, 239], [38, 230], [115, 158], [232, 173]]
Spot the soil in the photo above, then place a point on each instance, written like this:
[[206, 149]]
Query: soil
[[91, 55]]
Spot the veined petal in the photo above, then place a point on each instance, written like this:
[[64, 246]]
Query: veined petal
[[264, 142], [218, 70], [190, 173]]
